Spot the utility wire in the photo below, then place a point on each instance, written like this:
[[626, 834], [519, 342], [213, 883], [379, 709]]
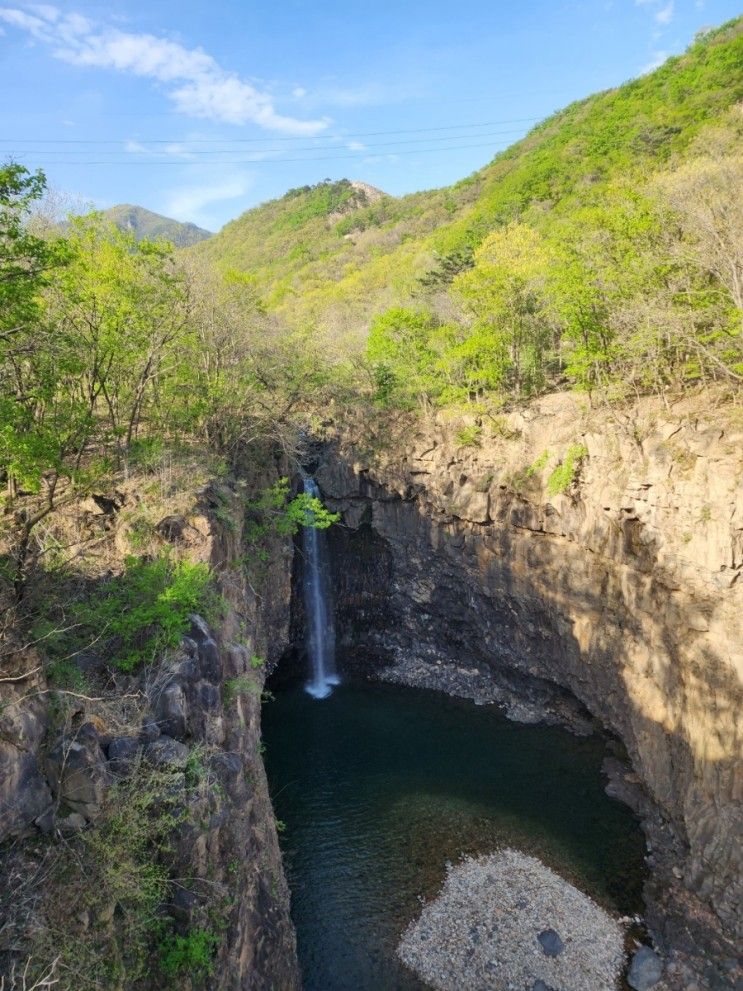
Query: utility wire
[[320, 137], [280, 151], [271, 162]]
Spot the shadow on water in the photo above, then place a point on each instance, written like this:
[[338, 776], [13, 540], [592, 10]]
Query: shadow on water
[[379, 786]]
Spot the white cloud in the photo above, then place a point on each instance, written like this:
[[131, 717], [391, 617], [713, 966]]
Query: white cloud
[[299, 92], [657, 60], [194, 81], [665, 15], [45, 10], [377, 159], [355, 146], [27, 22], [190, 202], [175, 149]]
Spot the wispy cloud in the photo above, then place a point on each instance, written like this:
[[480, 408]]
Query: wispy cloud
[[332, 93], [194, 81], [657, 60], [173, 150], [379, 159], [191, 201], [665, 14]]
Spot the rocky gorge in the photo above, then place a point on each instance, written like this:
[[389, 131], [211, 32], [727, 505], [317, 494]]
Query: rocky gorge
[[606, 596], [572, 566]]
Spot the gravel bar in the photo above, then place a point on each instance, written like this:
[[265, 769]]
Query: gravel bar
[[506, 922]]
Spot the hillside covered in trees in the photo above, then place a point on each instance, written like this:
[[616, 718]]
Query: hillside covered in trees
[[146, 225], [603, 249]]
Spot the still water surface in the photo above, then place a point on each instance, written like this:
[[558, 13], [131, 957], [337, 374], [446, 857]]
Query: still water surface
[[380, 785]]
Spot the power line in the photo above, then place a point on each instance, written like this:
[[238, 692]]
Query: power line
[[279, 151], [320, 137], [273, 162]]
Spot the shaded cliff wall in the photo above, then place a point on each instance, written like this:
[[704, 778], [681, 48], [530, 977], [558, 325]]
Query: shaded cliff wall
[[195, 716], [623, 591]]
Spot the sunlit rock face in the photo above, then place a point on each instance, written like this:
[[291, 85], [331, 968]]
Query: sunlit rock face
[[621, 592]]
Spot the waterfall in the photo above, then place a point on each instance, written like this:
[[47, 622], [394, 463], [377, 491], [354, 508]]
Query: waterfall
[[318, 609]]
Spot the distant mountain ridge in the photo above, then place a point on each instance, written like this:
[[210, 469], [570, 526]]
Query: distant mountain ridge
[[146, 224], [334, 255]]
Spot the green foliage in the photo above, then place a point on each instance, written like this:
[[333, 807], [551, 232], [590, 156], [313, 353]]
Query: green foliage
[[566, 472], [145, 610], [273, 511], [192, 954], [234, 688], [469, 436], [194, 771], [403, 352], [321, 200], [394, 250], [538, 464], [562, 261], [114, 871], [65, 674], [36, 427], [256, 662]]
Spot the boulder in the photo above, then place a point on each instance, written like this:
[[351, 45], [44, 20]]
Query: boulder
[[172, 711], [178, 530], [150, 731], [167, 753], [121, 753], [78, 773], [24, 794], [552, 945], [645, 970], [72, 823]]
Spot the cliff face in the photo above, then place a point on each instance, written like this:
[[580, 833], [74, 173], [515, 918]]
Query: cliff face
[[617, 599], [192, 720]]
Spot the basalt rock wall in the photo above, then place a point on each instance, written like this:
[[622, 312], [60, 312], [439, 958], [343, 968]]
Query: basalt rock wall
[[617, 599], [194, 716]]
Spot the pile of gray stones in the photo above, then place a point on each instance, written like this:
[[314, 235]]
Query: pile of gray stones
[[506, 922]]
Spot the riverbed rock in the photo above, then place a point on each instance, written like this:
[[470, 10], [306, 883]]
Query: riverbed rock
[[645, 970], [552, 945]]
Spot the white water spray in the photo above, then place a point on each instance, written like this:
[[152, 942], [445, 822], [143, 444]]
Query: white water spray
[[317, 606]]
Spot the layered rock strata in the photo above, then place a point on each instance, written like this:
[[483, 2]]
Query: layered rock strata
[[575, 565]]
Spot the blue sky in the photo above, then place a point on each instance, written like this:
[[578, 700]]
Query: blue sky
[[200, 111]]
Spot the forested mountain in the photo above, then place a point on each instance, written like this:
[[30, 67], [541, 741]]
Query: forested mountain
[[146, 224], [596, 226]]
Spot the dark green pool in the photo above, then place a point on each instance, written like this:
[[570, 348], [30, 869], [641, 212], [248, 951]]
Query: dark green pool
[[380, 785]]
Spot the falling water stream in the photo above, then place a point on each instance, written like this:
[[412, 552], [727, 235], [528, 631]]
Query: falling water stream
[[320, 639], [381, 786]]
